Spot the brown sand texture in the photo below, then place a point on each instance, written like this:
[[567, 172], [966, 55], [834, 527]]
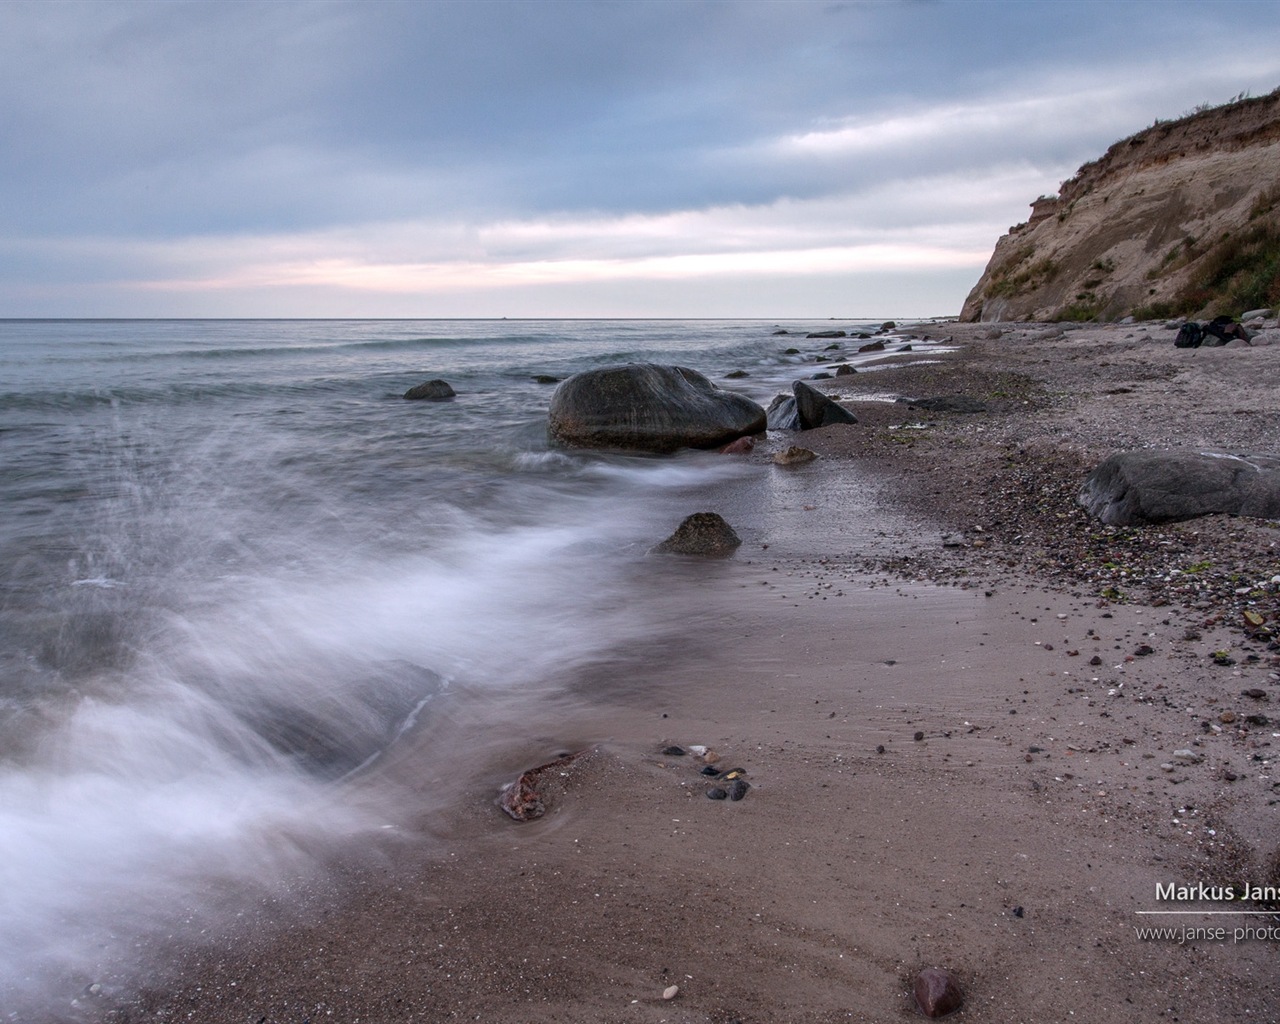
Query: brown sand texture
[[959, 755]]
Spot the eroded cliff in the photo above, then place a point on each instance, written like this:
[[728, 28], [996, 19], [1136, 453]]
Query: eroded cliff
[[1182, 218]]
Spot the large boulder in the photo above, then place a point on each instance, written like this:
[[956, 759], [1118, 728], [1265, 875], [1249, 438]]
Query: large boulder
[[651, 408], [430, 391], [1160, 486]]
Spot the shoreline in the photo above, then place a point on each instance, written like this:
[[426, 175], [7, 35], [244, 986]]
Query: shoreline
[[1014, 843]]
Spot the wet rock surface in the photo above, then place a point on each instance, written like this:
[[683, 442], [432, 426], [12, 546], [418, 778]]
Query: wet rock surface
[[649, 407], [702, 535], [431, 391]]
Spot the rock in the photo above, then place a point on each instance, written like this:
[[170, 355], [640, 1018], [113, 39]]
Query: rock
[[782, 414], [738, 789], [833, 347], [790, 351], [703, 534], [716, 793], [946, 403], [918, 736], [1139, 487], [1258, 314], [651, 408], [776, 333], [674, 751], [818, 410], [872, 346], [670, 992], [953, 540], [1254, 693], [431, 391], [522, 799], [888, 325], [821, 375], [794, 456], [709, 770], [844, 369], [546, 378], [938, 993], [826, 334], [1095, 661], [1187, 756], [736, 375], [739, 447], [1142, 650]]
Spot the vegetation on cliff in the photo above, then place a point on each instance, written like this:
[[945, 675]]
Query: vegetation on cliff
[[1182, 218]]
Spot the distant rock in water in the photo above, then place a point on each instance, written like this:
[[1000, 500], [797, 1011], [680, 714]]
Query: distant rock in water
[[826, 334], [546, 378], [651, 408], [703, 534], [1137, 487], [431, 391]]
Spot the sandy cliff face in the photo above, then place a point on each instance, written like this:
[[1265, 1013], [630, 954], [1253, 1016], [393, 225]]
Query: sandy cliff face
[[1182, 218]]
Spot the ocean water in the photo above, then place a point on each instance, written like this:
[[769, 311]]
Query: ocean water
[[236, 566]]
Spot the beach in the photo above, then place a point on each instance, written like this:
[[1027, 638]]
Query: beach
[[960, 753]]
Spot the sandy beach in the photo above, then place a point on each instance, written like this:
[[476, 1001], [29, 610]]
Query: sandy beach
[[958, 723]]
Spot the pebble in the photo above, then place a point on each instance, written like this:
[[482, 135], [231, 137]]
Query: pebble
[[1186, 756], [937, 992], [716, 793], [1227, 717], [1254, 693], [879, 748], [708, 770], [674, 751], [739, 789], [918, 736], [1095, 661], [670, 992]]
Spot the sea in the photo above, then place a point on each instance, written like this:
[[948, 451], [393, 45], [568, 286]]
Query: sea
[[237, 567]]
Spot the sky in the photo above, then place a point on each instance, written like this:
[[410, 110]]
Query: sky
[[566, 159]]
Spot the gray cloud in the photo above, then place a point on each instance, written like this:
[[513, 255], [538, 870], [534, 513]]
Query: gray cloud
[[141, 122]]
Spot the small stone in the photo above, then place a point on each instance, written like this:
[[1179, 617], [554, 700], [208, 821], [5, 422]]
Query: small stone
[[918, 736], [739, 789], [716, 793], [708, 770], [1257, 719], [1186, 756], [1144, 650], [937, 992], [741, 446], [1227, 717], [1254, 693], [879, 748], [703, 534], [1166, 767], [1230, 776], [1095, 661], [736, 375], [670, 992], [953, 540], [1018, 911], [674, 751], [794, 456], [1047, 647]]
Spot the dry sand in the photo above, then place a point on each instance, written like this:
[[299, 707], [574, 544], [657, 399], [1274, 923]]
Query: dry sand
[[1015, 843]]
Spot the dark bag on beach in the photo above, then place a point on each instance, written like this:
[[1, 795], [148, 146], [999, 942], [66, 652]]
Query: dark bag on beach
[[1189, 335]]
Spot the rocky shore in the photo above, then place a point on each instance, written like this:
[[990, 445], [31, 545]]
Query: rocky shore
[[980, 743]]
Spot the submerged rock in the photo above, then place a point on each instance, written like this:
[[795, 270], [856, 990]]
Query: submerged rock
[[649, 407], [1139, 487], [703, 534], [431, 391]]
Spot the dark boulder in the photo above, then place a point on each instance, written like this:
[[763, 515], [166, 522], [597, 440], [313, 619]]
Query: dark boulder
[[546, 378], [872, 346], [782, 414], [937, 992], [431, 391], [1161, 486], [844, 369], [818, 410], [651, 408], [736, 375], [704, 534], [826, 334]]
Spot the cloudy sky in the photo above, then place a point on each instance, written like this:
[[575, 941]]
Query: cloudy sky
[[544, 158]]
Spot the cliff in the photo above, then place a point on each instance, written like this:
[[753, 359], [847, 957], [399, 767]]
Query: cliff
[[1180, 219]]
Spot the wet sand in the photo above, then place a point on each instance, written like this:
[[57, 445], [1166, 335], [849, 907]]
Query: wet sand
[[1015, 842]]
